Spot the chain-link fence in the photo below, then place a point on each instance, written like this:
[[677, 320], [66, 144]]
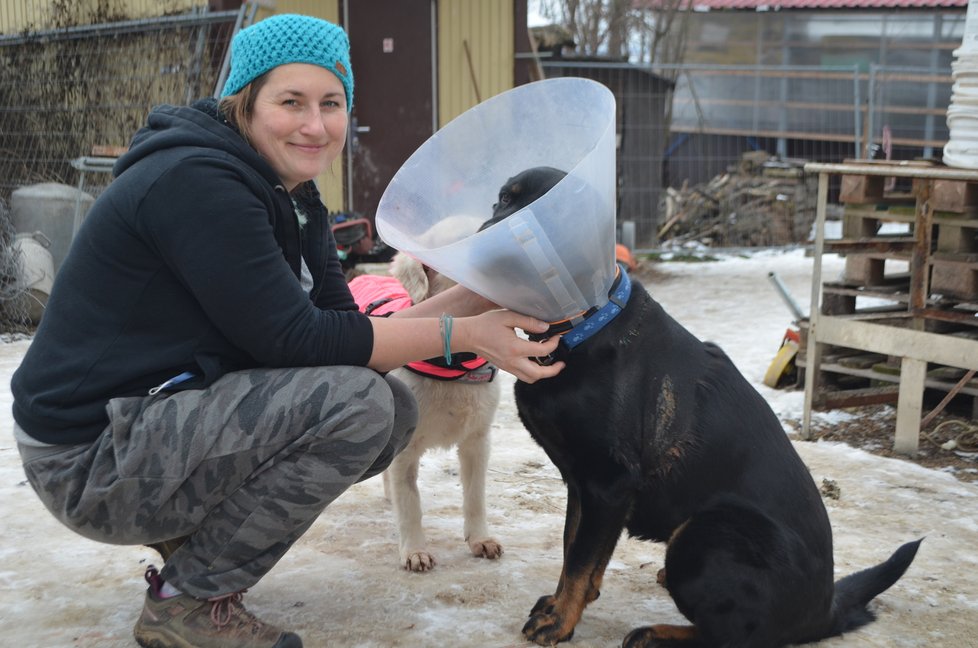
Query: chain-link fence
[[71, 98], [80, 91]]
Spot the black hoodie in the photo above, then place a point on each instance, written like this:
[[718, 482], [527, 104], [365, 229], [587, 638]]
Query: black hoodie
[[188, 262]]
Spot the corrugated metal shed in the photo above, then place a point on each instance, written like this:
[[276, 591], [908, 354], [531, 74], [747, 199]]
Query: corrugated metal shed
[[475, 53], [775, 5]]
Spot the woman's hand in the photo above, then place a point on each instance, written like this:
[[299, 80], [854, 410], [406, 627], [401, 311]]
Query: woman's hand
[[492, 336], [479, 327]]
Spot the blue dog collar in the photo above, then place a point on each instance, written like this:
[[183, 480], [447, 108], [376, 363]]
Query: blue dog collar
[[617, 299]]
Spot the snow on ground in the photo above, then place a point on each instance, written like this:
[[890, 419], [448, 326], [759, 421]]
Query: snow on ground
[[341, 585]]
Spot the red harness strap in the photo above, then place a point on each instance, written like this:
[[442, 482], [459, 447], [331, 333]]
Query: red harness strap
[[475, 369]]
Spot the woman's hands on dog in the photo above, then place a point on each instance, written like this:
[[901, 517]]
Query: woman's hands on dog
[[493, 336], [479, 327]]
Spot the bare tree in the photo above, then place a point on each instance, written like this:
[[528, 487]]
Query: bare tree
[[666, 23], [641, 31]]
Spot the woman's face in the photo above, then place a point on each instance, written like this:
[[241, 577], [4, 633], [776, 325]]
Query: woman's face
[[299, 121]]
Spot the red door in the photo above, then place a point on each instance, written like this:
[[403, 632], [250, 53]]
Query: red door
[[392, 58]]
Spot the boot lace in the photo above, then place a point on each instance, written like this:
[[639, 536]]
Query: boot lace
[[225, 608]]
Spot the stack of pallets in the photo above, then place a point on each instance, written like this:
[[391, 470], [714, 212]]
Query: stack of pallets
[[910, 242]]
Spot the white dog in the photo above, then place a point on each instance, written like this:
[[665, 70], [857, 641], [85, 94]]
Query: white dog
[[452, 412]]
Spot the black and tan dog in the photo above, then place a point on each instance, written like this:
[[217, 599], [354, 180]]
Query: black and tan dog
[[656, 432], [521, 190]]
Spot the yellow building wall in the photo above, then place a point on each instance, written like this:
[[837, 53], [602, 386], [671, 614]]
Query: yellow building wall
[[475, 53]]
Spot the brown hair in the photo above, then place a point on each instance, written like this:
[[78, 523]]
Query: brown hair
[[239, 107]]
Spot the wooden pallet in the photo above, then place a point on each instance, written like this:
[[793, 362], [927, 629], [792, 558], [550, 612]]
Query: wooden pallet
[[918, 333], [874, 259]]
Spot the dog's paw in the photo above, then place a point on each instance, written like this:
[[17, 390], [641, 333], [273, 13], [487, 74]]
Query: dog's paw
[[546, 629], [544, 605], [419, 561], [486, 548], [659, 636], [639, 638]]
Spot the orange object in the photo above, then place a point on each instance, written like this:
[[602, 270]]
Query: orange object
[[624, 255]]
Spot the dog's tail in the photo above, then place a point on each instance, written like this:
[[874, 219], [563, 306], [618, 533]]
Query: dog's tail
[[854, 592]]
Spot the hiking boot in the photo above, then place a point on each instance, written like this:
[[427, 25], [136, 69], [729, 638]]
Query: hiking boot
[[220, 622]]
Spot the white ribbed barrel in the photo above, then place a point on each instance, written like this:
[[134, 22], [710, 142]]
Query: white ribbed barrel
[[961, 149]]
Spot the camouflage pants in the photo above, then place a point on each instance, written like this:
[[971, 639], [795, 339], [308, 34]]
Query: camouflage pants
[[243, 467]]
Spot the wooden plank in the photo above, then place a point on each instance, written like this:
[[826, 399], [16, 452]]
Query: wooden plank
[[897, 211], [697, 129], [862, 269], [881, 244], [861, 189], [946, 315], [881, 167], [910, 405], [837, 399], [955, 239], [954, 195], [900, 342], [954, 279], [813, 350], [923, 232], [936, 383], [895, 289], [108, 150], [889, 315], [896, 169]]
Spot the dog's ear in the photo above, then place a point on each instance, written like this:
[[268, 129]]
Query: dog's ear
[[411, 273]]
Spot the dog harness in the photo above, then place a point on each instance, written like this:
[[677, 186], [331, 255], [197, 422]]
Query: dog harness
[[575, 330], [379, 296]]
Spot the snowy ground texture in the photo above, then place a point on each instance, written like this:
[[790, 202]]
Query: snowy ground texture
[[341, 585]]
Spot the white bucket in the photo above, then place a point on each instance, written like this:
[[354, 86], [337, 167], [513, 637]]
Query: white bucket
[[554, 258], [961, 149], [961, 153], [964, 90], [36, 273], [969, 43]]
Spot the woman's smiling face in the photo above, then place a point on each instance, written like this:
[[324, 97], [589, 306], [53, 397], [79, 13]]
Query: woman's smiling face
[[299, 121]]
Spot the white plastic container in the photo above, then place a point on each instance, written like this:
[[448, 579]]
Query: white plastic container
[[36, 273], [51, 208], [961, 153], [553, 259], [961, 149]]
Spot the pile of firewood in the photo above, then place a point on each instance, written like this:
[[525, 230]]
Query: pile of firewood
[[762, 201]]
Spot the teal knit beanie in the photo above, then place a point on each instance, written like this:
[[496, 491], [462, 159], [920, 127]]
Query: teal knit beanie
[[289, 38]]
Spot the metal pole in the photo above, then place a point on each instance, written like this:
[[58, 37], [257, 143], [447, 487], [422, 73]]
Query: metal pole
[[871, 110], [857, 104], [786, 296], [226, 63]]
